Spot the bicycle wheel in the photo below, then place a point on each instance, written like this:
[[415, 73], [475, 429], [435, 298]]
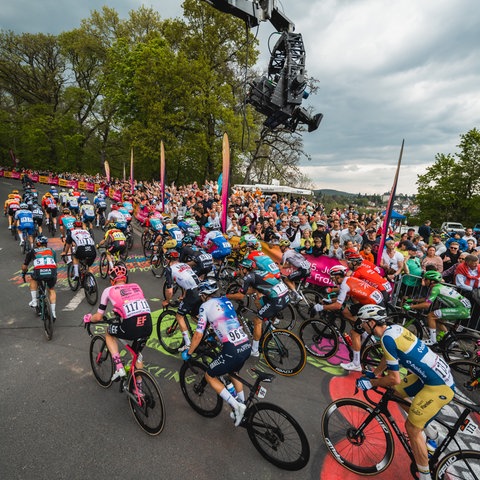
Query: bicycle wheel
[[460, 465], [158, 265], [178, 292], [320, 338], [130, 241], [101, 361], [225, 278], [168, 331], [460, 346], [286, 318], [149, 409], [47, 318], [199, 395], [412, 324], [284, 352], [371, 355], [367, 452], [466, 375], [147, 247], [91, 288], [103, 265], [73, 284], [277, 436], [310, 298]]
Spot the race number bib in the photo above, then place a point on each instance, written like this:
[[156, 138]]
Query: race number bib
[[376, 296], [44, 262], [136, 307], [118, 236], [280, 289], [237, 336]]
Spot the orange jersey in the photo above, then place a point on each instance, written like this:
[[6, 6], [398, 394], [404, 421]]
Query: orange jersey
[[359, 291], [367, 274]]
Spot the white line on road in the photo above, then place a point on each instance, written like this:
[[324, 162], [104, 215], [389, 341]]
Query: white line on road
[[74, 302]]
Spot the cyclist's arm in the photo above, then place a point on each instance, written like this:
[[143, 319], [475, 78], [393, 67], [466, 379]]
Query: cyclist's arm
[[390, 380], [98, 315]]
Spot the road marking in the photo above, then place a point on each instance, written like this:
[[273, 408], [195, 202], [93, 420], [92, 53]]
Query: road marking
[[74, 302]]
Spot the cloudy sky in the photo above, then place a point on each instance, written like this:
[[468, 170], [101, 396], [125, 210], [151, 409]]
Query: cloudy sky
[[388, 70]]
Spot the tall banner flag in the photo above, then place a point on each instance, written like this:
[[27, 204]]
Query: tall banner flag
[[162, 174], [225, 180], [388, 212], [124, 174], [14, 159], [107, 170], [131, 171]]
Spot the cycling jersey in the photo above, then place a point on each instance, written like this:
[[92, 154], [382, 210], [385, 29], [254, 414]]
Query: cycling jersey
[[173, 231], [126, 214], [203, 260], [360, 291], [44, 265], [87, 212], [25, 220], [221, 315], [37, 212], [367, 274], [296, 259], [264, 263], [182, 274], [194, 225], [115, 235], [458, 307], [72, 202], [80, 236], [67, 221], [219, 247], [155, 224], [127, 300], [118, 218]]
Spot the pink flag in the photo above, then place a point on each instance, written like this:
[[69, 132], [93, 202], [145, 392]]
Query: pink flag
[[225, 180], [162, 173]]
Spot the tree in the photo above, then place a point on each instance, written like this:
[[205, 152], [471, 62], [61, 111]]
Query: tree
[[450, 189]]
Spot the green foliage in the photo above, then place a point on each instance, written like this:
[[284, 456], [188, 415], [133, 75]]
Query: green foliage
[[450, 188]]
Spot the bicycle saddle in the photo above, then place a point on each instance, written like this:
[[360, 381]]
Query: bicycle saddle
[[263, 376]]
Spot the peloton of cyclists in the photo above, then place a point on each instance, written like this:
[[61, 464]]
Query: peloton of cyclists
[[84, 247]]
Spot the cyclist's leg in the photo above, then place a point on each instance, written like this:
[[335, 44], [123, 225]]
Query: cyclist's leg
[[52, 294], [356, 334]]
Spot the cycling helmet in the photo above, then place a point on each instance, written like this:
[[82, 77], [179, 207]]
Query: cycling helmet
[[372, 312], [245, 229], [251, 241], [66, 211], [119, 204], [433, 275], [42, 240], [87, 201], [48, 194], [338, 270], [171, 254], [111, 225], [23, 206], [78, 224], [70, 190], [214, 225], [247, 263], [207, 287], [187, 240], [114, 207], [294, 219], [15, 191], [169, 244], [350, 252], [188, 214], [284, 243], [11, 196], [179, 218], [117, 273]]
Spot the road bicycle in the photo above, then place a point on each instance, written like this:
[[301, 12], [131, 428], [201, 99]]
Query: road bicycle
[[117, 259], [455, 344], [359, 436], [52, 229], [85, 279], [14, 232], [43, 308], [168, 330], [272, 430], [466, 374], [129, 237], [26, 246], [147, 404], [281, 348]]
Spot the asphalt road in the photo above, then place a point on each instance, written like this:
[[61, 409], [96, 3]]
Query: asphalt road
[[57, 423]]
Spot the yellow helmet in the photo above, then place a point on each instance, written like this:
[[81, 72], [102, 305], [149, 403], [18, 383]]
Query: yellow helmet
[[169, 244], [48, 194], [15, 191], [11, 196]]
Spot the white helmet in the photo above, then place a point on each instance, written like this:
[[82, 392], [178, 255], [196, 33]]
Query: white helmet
[[372, 312]]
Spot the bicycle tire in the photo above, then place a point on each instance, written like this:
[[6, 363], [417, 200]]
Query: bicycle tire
[[147, 247], [368, 454], [319, 338], [47, 318], [177, 292], [460, 346], [277, 436], [130, 241], [91, 288], [462, 464], [225, 278], [101, 361], [465, 372], [285, 319], [103, 265], [168, 331], [73, 284], [284, 353], [158, 266], [150, 412], [371, 355], [199, 395], [412, 324], [304, 307]]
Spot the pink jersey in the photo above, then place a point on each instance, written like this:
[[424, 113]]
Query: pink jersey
[[127, 300]]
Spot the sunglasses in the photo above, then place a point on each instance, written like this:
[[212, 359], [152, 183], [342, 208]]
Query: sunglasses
[[453, 248]]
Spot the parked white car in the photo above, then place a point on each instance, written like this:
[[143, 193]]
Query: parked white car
[[453, 227]]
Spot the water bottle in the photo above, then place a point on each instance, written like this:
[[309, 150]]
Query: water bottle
[[347, 338], [231, 389], [432, 434], [431, 447]]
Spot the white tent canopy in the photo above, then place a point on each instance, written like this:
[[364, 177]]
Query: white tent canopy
[[264, 188]]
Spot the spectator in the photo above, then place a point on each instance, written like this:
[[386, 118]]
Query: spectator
[[392, 261], [317, 248], [335, 250], [438, 244], [471, 247], [467, 274], [413, 272], [366, 252], [431, 259], [469, 236], [451, 256], [425, 231], [351, 234], [449, 275], [462, 243]]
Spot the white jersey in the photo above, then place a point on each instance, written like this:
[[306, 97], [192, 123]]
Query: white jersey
[[116, 216], [81, 237], [296, 259], [183, 275]]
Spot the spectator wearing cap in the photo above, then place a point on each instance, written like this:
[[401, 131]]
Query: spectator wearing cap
[[462, 243], [321, 232]]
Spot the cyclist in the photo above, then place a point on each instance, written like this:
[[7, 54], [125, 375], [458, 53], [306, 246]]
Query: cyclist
[[66, 221], [361, 293], [12, 204], [183, 275], [200, 261], [62, 198], [37, 214], [50, 206], [215, 243], [362, 270], [135, 320], [88, 213], [430, 382], [254, 253], [220, 314], [192, 222], [271, 297], [297, 260], [72, 202], [84, 247], [100, 205], [117, 217], [114, 241], [457, 306], [44, 268], [24, 223]]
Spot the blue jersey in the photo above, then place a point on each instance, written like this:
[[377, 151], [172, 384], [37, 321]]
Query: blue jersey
[[68, 221], [25, 219], [156, 224]]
